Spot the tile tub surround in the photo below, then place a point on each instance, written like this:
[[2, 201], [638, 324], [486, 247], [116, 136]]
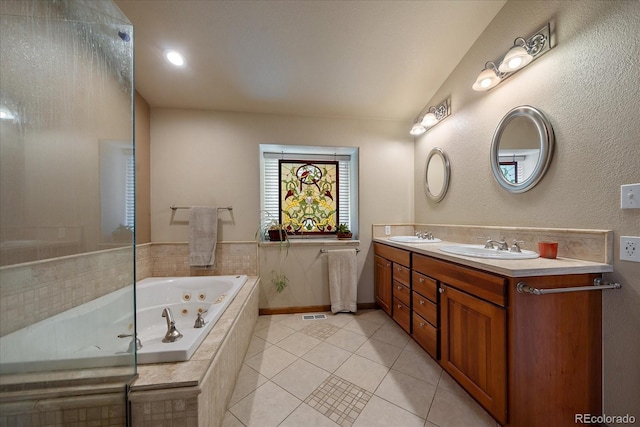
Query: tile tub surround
[[35, 291], [357, 370], [585, 245], [196, 392]]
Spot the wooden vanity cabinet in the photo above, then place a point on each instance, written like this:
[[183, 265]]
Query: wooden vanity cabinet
[[529, 360], [383, 282], [392, 283]]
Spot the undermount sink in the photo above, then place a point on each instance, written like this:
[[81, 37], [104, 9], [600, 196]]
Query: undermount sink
[[479, 251], [412, 239]]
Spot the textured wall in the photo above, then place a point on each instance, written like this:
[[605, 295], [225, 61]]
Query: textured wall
[[212, 158], [588, 86]]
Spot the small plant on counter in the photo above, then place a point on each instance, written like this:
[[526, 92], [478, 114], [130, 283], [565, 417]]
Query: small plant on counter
[[343, 232]]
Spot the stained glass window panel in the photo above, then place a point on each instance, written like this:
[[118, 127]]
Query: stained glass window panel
[[309, 196]]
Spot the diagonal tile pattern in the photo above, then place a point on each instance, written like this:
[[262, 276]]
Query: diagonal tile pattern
[[347, 370]]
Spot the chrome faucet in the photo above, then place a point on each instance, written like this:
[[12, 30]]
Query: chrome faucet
[[199, 320], [172, 334], [502, 244], [516, 245], [137, 341]]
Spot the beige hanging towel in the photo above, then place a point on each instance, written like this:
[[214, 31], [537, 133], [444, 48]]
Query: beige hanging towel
[[203, 230], [343, 280]]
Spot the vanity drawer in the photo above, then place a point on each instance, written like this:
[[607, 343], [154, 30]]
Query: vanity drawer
[[425, 308], [393, 254], [425, 286], [426, 335], [402, 293], [402, 314], [484, 285], [402, 274]]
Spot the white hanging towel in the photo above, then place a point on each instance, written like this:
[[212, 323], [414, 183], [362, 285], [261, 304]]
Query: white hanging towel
[[343, 280], [203, 230]]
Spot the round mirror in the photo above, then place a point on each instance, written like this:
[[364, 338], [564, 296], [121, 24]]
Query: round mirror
[[521, 149], [437, 174]]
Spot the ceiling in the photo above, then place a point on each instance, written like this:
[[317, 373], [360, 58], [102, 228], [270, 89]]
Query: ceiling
[[355, 59]]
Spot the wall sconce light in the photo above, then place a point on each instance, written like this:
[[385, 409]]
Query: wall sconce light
[[432, 117], [523, 52]]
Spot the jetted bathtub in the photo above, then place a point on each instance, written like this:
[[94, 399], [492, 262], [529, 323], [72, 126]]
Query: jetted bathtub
[[87, 336]]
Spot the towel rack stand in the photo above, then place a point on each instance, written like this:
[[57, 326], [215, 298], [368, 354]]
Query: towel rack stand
[[598, 285], [174, 207], [325, 251]]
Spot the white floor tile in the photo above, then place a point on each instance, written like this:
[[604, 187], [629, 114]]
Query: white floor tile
[[380, 413], [346, 340], [230, 420], [453, 410], [248, 380], [327, 356], [418, 365], [305, 416], [392, 334], [362, 327], [257, 345], [300, 378], [271, 361], [298, 343], [267, 406], [362, 372], [407, 392], [274, 332], [379, 352]]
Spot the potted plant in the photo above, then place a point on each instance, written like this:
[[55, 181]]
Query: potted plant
[[343, 232], [271, 229]]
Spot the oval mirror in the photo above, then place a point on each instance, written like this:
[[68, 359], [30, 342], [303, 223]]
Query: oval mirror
[[521, 149], [437, 174]]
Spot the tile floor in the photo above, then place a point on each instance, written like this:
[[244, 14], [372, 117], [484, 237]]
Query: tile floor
[[347, 370]]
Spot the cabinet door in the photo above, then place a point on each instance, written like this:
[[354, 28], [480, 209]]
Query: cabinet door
[[382, 283], [473, 347]]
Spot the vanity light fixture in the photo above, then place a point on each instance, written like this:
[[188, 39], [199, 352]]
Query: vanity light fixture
[[432, 117], [523, 52]]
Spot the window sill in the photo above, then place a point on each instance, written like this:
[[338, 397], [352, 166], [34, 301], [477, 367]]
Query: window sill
[[314, 242]]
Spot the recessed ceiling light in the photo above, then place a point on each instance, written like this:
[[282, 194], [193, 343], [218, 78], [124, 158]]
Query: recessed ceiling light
[[175, 58]]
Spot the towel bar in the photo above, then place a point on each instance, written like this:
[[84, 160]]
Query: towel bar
[[598, 285], [324, 251], [174, 207]]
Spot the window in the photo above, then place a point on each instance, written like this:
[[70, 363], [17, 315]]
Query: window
[[347, 176]]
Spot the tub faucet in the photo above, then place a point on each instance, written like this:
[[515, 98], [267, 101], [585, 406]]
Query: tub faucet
[[138, 343], [199, 320], [172, 334]]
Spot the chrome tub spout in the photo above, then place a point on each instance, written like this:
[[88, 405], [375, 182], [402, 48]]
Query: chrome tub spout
[[172, 334]]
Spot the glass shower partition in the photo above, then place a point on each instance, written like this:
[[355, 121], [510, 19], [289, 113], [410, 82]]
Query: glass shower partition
[[67, 212]]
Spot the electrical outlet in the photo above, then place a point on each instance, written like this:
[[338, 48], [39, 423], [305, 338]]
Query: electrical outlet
[[630, 248], [387, 230]]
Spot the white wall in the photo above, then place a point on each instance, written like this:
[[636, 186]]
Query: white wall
[[212, 158], [588, 86]]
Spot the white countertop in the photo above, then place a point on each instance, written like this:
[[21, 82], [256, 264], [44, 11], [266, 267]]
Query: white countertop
[[505, 267]]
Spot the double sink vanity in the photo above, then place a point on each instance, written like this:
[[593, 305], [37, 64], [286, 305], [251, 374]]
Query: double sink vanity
[[530, 359]]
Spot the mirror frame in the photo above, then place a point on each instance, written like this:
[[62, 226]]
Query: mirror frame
[[447, 172], [545, 137]]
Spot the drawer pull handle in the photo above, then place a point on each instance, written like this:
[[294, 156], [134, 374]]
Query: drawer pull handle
[[422, 324], [388, 265], [399, 306], [421, 302], [441, 290], [398, 268], [399, 287], [421, 280]]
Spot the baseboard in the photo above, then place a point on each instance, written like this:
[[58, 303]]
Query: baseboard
[[310, 309]]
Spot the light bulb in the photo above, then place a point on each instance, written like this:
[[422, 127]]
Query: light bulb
[[486, 80], [175, 58], [429, 120], [516, 58], [417, 129]]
